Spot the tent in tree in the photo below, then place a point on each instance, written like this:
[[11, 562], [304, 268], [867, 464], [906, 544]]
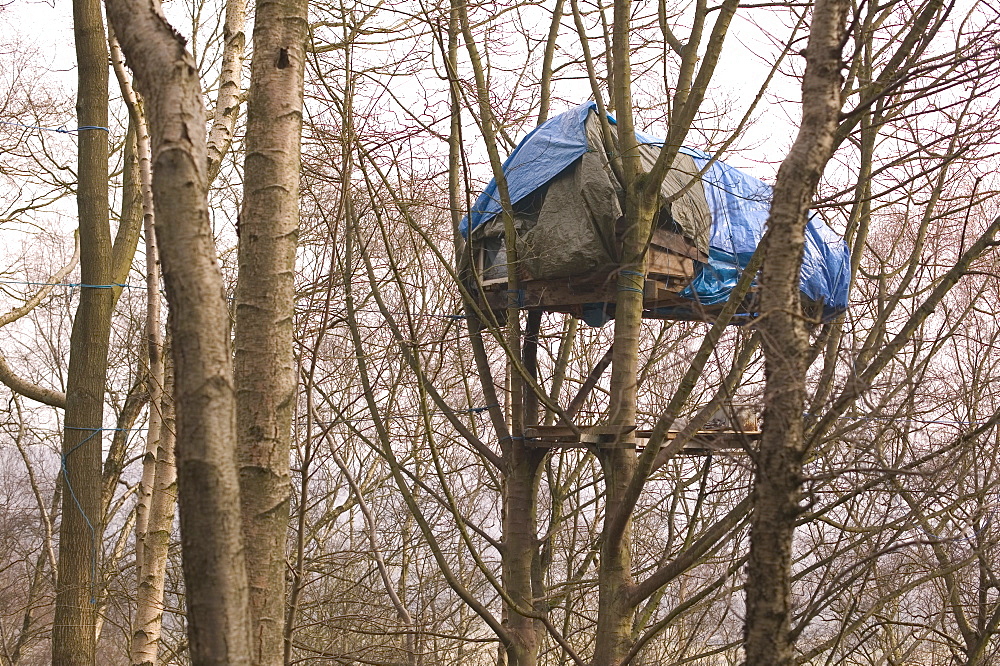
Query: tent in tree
[[567, 213]]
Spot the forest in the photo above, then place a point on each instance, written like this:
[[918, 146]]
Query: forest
[[261, 404]]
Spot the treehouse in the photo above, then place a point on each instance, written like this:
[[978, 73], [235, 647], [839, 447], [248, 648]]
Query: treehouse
[[567, 214]]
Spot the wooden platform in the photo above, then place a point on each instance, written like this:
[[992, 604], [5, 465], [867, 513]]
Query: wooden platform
[[569, 295], [671, 263], [703, 442]]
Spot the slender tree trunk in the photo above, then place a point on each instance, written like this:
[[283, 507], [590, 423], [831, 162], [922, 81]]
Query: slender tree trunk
[[157, 492], [73, 632], [265, 300], [615, 611], [521, 464], [785, 340], [208, 487], [139, 171], [227, 102], [152, 567], [520, 543], [520, 526]]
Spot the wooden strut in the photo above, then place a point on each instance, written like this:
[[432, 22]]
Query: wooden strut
[[703, 442], [671, 263]]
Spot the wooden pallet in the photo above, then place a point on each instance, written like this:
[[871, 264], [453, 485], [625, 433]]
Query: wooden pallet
[[671, 263]]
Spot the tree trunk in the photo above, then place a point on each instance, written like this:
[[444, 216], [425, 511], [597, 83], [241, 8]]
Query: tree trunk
[[615, 611], [156, 538], [73, 631], [228, 99], [208, 486], [265, 301], [785, 340], [157, 492], [520, 543]]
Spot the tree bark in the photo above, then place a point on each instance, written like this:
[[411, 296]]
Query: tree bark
[[208, 487], [156, 534], [227, 102], [615, 612], [265, 300], [157, 492], [521, 465], [785, 340], [73, 631], [520, 550]]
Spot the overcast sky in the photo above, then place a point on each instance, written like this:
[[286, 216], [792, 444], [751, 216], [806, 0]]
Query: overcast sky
[[46, 25]]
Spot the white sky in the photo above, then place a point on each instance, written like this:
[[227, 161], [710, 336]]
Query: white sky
[[46, 26]]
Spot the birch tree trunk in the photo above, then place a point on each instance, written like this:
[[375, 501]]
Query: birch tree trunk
[[158, 488], [142, 174], [208, 487], [156, 538], [227, 101], [73, 631], [785, 340], [265, 301]]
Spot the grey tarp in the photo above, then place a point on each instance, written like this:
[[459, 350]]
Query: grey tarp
[[567, 226]]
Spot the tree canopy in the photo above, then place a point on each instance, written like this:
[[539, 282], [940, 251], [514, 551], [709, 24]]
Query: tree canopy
[[374, 462]]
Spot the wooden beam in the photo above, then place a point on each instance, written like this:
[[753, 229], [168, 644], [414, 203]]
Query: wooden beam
[[677, 244], [703, 442], [662, 262]]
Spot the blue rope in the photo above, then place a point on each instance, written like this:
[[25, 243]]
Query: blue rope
[[474, 410], [79, 507], [515, 298], [60, 130], [74, 284], [632, 274]]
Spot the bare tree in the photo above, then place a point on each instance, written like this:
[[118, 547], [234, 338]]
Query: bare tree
[[216, 590], [424, 529], [265, 301], [785, 339]]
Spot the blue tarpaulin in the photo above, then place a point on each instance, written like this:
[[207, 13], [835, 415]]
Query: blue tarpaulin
[[738, 205], [540, 157]]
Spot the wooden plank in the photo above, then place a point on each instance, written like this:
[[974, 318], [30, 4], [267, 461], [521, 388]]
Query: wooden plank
[[546, 444], [565, 430], [569, 295], [563, 296], [690, 449], [667, 264], [608, 429], [668, 240], [547, 432], [585, 433], [548, 293], [677, 244], [658, 295], [494, 282]]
